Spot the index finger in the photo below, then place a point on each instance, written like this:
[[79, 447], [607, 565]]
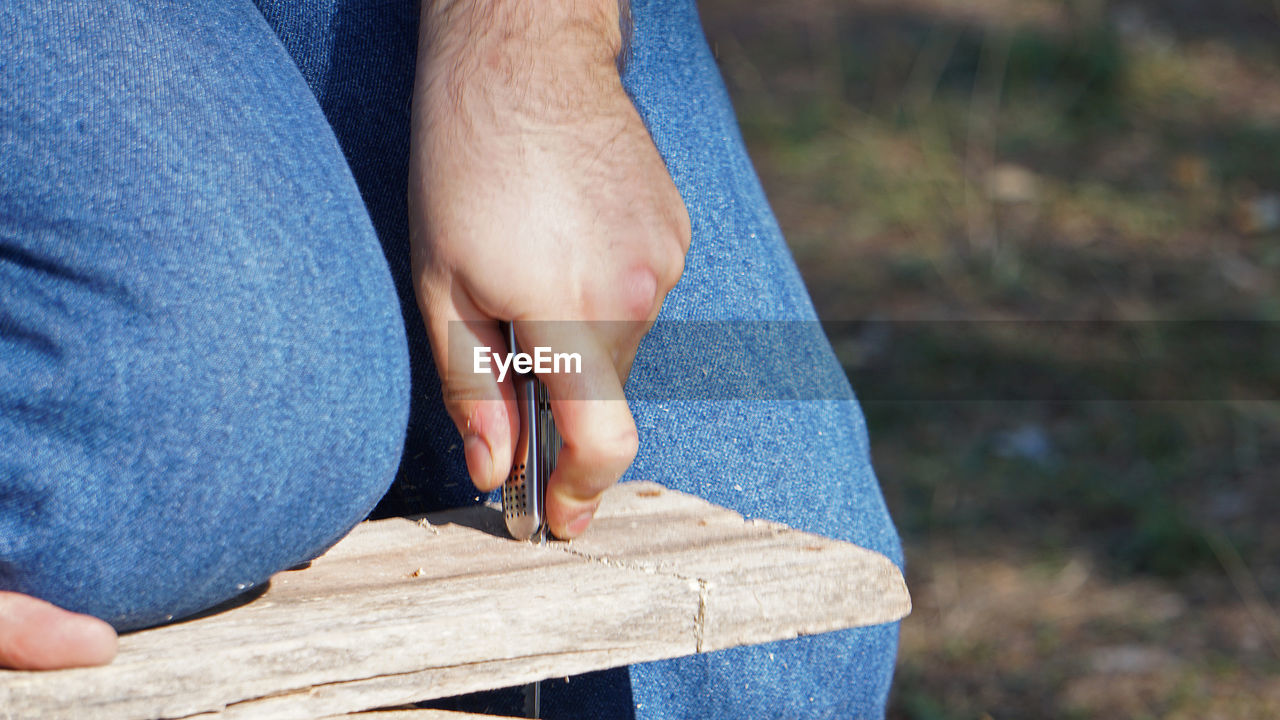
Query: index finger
[[596, 428]]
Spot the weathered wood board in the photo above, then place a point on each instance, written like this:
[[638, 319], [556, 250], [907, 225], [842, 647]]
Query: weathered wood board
[[404, 610], [415, 715]]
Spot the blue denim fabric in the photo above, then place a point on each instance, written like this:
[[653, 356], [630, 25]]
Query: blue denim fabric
[[203, 375], [204, 371], [806, 464]]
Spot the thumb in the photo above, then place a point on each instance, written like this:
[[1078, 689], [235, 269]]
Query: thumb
[[595, 423], [35, 635]]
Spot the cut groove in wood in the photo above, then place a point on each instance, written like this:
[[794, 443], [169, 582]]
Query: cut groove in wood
[[405, 610]]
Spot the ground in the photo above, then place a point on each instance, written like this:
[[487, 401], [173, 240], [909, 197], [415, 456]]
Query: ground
[[1046, 238]]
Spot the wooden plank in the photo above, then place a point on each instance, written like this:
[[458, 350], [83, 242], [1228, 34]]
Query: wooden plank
[[423, 714], [403, 610]]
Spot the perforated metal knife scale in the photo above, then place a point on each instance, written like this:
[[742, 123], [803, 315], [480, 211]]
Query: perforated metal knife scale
[[537, 447], [525, 491]]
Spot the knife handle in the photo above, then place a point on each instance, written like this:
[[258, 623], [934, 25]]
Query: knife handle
[[536, 450]]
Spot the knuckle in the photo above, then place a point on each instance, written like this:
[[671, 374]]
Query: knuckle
[[460, 396], [675, 238], [623, 448], [673, 263], [679, 226], [640, 293], [613, 454]]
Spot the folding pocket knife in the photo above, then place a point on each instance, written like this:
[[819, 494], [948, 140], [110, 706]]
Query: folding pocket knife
[[524, 493], [537, 447]]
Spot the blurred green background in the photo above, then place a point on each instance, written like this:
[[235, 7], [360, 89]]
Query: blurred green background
[[1085, 487]]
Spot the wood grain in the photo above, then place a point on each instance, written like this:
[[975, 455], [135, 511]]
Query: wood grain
[[404, 610], [423, 714]]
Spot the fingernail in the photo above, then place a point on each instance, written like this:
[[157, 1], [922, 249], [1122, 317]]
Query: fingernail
[[479, 459], [580, 523]]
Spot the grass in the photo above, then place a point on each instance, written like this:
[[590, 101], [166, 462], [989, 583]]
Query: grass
[[1045, 235]]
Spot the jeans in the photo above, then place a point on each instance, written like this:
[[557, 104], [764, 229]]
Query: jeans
[[212, 365]]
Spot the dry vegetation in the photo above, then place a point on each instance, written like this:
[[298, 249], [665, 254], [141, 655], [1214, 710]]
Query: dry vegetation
[[1048, 236]]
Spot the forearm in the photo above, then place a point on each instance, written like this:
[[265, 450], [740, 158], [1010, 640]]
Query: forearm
[[550, 52], [593, 21]]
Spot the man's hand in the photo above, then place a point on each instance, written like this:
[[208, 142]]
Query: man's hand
[[536, 193], [35, 635]]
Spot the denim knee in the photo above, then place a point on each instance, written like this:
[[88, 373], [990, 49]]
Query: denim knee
[[170, 439], [203, 373]]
